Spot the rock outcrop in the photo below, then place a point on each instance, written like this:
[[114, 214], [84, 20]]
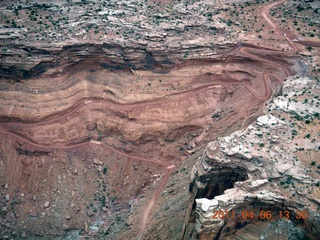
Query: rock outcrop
[[277, 177]]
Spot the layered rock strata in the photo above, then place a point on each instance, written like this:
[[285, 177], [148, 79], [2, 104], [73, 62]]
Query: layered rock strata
[[139, 36]]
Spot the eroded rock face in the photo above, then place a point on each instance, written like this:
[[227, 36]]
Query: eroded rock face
[[100, 111], [211, 176], [136, 36], [268, 155]]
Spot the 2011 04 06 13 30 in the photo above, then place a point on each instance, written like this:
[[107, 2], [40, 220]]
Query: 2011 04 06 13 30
[[262, 214]]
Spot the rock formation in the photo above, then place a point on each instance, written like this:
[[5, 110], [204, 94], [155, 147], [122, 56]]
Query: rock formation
[[264, 173]]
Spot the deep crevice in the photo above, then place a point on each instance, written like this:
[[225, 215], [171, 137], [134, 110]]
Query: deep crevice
[[220, 180], [216, 182]]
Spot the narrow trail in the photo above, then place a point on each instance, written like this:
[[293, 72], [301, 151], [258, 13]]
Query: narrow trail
[[266, 76], [267, 86], [245, 51], [152, 202], [126, 106], [265, 13]]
